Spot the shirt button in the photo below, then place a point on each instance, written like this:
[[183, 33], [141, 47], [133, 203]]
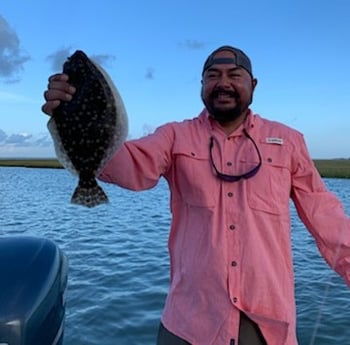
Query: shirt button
[[232, 227], [234, 299], [234, 263], [230, 194], [229, 164]]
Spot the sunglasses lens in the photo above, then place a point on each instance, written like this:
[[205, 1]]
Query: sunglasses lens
[[235, 178]]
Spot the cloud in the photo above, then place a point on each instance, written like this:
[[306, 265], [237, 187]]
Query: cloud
[[26, 145], [147, 129], [58, 58], [39, 145], [12, 58], [3, 136], [193, 44], [22, 139], [150, 73], [103, 59]]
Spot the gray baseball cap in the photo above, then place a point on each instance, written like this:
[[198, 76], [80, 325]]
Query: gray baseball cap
[[240, 59]]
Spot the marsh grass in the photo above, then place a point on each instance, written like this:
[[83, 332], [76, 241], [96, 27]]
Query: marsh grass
[[332, 168], [336, 168], [31, 163]]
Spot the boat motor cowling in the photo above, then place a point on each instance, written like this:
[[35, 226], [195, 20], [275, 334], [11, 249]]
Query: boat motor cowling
[[33, 287]]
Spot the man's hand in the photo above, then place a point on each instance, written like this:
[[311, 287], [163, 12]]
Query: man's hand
[[58, 89]]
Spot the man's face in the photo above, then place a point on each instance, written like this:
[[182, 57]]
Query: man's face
[[227, 89]]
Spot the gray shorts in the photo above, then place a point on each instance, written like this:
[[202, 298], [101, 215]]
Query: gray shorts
[[249, 334]]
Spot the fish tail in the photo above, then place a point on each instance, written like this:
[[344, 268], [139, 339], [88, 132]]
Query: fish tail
[[89, 196]]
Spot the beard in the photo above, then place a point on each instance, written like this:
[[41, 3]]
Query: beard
[[223, 115]]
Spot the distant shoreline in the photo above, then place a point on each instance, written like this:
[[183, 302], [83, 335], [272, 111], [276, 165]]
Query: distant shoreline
[[329, 168], [31, 163]]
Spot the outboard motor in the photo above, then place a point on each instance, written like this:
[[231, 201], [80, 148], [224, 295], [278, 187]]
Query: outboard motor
[[33, 283]]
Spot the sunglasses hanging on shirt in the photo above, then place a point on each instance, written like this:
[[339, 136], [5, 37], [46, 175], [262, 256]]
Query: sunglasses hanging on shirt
[[235, 178]]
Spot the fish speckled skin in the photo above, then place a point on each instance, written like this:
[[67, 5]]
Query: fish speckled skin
[[88, 129]]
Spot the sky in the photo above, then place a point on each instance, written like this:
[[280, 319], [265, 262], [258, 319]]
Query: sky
[[154, 52]]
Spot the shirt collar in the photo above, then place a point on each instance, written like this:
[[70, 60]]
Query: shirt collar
[[248, 123]]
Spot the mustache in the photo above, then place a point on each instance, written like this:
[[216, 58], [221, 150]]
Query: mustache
[[220, 91]]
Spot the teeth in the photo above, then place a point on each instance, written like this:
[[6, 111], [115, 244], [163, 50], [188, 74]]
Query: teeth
[[222, 94]]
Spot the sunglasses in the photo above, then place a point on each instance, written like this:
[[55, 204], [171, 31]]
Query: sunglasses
[[235, 178]]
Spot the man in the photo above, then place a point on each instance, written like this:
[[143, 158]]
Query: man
[[231, 174]]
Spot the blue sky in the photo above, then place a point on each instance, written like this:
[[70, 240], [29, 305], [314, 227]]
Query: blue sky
[[154, 51]]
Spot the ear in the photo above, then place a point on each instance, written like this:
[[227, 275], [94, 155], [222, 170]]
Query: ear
[[201, 94], [254, 83]]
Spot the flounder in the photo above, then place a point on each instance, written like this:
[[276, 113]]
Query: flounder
[[87, 130]]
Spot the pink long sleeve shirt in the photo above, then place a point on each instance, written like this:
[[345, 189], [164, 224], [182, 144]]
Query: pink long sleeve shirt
[[230, 242]]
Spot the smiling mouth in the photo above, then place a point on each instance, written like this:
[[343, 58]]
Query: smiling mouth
[[224, 96]]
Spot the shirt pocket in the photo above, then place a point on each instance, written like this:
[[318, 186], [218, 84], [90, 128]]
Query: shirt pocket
[[195, 183], [269, 190]]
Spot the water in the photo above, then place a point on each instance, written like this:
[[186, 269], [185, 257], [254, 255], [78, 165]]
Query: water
[[118, 260]]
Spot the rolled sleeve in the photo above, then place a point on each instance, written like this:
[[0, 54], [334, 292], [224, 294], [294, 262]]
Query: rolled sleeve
[[139, 164], [321, 212]]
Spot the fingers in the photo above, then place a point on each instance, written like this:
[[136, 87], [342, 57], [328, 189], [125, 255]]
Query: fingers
[[58, 77], [61, 93], [59, 82], [58, 89], [49, 106]]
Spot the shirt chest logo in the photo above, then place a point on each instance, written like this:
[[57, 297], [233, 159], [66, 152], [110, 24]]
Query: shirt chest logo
[[274, 140]]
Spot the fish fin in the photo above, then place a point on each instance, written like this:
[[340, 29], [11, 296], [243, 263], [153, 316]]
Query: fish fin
[[58, 146], [89, 196]]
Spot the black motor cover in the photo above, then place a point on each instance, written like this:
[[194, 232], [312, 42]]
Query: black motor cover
[[33, 282]]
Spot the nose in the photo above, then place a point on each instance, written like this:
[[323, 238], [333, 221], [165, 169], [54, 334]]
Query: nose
[[224, 81]]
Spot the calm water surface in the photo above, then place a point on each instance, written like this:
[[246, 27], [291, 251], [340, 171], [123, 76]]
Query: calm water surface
[[118, 261]]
